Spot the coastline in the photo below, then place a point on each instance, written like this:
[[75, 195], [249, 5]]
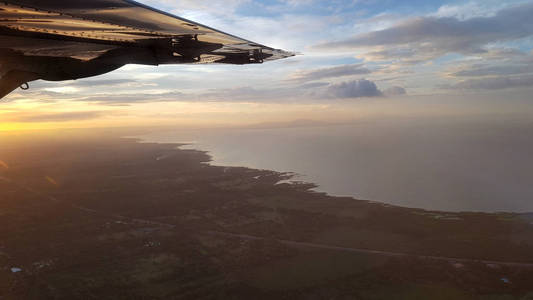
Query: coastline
[[309, 188], [291, 177], [114, 199], [347, 161]]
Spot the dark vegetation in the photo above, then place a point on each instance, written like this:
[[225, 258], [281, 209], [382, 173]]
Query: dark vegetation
[[98, 217]]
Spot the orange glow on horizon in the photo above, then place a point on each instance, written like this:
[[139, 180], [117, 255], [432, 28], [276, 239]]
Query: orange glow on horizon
[[29, 116]]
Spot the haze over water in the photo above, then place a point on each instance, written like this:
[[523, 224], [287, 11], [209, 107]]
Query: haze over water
[[454, 165]]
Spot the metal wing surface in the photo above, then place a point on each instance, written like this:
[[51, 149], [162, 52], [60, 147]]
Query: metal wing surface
[[53, 39]]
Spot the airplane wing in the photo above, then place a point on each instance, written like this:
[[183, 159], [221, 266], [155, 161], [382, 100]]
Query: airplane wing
[[61, 40]]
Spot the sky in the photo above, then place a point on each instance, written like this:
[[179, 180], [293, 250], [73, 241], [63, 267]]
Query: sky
[[357, 59]]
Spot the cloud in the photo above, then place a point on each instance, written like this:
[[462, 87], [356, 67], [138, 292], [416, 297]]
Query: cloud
[[249, 94], [354, 89], [238, 94], [118, 99], [424, 38], [53, 116], [244, 94], [484, 70], [332, 72], [500, 69], [104, 82], [301, 92], [395, 91], [499, 64], [313, 85], [470, 9], [493, 83]]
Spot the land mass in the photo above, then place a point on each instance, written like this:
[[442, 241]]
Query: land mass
[[95, 216]]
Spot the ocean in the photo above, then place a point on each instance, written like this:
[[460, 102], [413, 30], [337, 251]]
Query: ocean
[[442, 164]]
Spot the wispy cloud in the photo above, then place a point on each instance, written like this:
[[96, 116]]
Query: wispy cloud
[[33, 117], [493, 83], [424, 38], [332, 72]]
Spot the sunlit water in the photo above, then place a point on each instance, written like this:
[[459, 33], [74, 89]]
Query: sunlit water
[[438, 165]]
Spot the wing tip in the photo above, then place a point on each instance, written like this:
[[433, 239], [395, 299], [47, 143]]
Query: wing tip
[[277, 54]]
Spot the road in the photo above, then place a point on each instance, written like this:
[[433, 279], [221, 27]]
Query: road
[[374, 252]]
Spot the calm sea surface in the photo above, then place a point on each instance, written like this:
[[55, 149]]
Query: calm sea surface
[[439, 165]]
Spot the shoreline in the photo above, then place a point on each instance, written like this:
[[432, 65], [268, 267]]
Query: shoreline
[[316, 187], [165, 219]]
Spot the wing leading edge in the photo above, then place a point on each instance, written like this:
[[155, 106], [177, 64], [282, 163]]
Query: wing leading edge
[[62, 40]]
